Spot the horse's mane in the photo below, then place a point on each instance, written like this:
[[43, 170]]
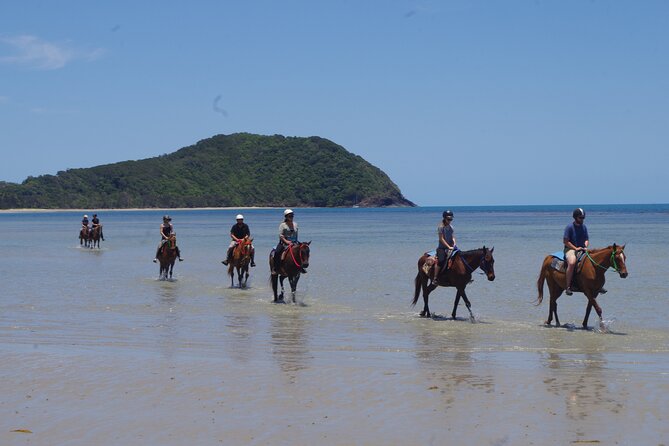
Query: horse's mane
[[472, 251]]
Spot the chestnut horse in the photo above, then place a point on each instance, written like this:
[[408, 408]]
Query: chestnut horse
[[94, 236], [84, 236], [167, 257], [241, 257], [458, 275], [589, 280], [296, 258]]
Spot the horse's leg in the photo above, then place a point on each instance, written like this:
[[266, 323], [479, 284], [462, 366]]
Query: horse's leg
[[587, 315], [293, 285], [456, 303], [281, 279], [275, 284], [592, 301], [427, 289], [467, 303]]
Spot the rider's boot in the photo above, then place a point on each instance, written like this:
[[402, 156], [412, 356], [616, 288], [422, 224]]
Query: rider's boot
[[228, 257], [155, 259], [253, 258], [179, 254], [435, 273]]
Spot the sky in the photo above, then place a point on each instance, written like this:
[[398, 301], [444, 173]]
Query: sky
[[459, 102]]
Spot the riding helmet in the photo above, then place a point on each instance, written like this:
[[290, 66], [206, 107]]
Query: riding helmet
[[85, 216], [287, 211], [447, 214], [167, 217], [239, 217], [578, 212]]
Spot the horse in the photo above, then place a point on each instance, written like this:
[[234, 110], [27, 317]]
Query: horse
[[84, 237], [167, 257], [94, 236], [458, 275], [291, 264], [589, 280], [241, 257]]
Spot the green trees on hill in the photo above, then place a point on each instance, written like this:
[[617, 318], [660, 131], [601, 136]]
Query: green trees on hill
[[225, 170]]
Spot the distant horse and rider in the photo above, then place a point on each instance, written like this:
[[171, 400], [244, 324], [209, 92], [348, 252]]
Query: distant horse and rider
[[458, 275], [589, 279], [240, 261], [167, 256]]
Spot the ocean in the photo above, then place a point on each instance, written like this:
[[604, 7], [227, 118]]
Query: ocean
[[96, 350]]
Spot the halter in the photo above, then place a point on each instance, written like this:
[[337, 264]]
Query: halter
[[614, 264]]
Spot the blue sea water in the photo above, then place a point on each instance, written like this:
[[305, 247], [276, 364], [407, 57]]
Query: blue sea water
[[354, 314]]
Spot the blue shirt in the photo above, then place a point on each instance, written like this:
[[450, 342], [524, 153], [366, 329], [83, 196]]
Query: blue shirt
[[576, 234]]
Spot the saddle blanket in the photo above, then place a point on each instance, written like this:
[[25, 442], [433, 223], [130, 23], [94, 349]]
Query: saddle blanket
[[558, 262]]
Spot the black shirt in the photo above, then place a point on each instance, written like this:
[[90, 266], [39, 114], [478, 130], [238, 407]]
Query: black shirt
[[240, 231]]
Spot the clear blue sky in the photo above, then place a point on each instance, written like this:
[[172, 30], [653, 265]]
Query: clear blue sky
[[460, 102]]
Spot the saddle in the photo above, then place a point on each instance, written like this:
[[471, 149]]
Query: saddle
[[558, 263], [432, 260]]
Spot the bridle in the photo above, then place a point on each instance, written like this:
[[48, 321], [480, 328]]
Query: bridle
[[292, 255]]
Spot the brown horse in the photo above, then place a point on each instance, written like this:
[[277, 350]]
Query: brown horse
[[296, 258], [241, 257], [167, 257], [84, 237], [458, 275], [589, 279], [94, 236]]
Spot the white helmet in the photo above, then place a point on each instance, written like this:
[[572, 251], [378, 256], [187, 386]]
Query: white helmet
[[239, 217], [85, 216], [287, 211]]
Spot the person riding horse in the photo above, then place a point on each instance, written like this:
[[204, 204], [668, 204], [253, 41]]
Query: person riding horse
[[85, 223], [237, 233], [446, 243], [166, 230], [576, 242], [288, 234], [95, 224]]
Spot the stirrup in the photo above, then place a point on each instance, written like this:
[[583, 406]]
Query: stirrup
[[155, 260], [568, 291], [603, 291]]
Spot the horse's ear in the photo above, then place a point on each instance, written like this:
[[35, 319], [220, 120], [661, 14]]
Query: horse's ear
[[614, 246], [309, 242], [492, 249]]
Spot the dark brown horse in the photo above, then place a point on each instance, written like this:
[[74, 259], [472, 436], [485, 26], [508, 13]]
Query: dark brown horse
[[167, 257], [241, 257], [295, 259], [94, 236], [84, 236], [458, 275], [589, 279]]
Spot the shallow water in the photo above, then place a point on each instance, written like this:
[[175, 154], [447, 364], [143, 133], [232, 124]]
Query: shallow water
[[95, 350]]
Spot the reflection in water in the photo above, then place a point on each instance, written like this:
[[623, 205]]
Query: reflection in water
[[445, 356], [288, 340], [238, 326], [581, 379], [169, 318]]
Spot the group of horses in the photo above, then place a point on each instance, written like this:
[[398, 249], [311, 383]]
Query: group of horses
[[589, 278], [294, 260], [90, 237]]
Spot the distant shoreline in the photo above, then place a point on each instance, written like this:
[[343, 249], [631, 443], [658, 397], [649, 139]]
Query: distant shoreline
[[97, 210]]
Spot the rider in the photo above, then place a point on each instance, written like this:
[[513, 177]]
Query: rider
[[96, 223], [84, 223], [237, 233], [287, 236], [166, 229], [446, 242], [575, 240]]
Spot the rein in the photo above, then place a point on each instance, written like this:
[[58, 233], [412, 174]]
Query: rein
[[483, 265], [292, 255], [614, 264]]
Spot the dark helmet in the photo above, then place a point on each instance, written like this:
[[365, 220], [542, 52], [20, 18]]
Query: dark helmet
[[167, 217], [447, 214], [578, 212]]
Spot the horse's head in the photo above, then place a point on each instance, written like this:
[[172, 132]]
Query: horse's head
[[487, 264], [303, 253], [245, 246], [618, 260]]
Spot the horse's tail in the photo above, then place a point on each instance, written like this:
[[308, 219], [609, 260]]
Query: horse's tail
[[540, 284], [418, 282]]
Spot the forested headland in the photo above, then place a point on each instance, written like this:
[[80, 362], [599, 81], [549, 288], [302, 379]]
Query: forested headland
[[235, 170]]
